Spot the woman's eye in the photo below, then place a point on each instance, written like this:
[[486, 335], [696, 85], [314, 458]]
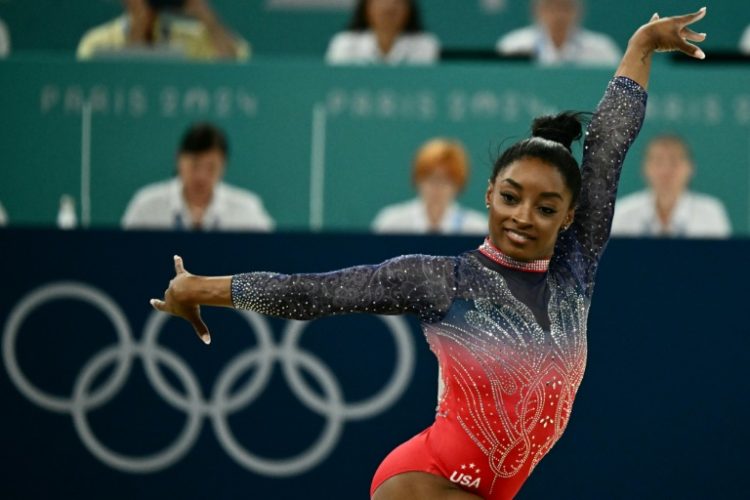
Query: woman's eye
[[508, 197], [547, 210]]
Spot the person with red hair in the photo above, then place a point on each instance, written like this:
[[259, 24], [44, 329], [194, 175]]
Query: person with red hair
[[440, 172]]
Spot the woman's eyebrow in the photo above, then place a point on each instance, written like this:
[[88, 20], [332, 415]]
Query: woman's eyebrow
[[550, 194], [546, 194], [513, 183]]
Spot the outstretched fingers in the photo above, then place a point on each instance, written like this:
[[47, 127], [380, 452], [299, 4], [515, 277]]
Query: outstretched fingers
[[171, 305], [691, 50], [692, 18], [688, 35], [159, 305], [691, 35], [199, 326], [179, 266]]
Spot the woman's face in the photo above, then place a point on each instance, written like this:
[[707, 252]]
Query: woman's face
[[667, 168], [387, 15], [200, 172], [437, 189], [558, 17], [529, 205]]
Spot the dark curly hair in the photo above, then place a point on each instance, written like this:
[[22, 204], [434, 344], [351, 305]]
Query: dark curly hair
[[551, 140], [203, 136]]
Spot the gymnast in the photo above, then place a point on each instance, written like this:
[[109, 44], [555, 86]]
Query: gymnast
[[507, 321]]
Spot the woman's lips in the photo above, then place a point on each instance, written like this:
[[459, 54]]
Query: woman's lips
[[518, 237]]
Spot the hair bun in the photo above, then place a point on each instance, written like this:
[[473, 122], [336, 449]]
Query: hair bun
[[564, 128]]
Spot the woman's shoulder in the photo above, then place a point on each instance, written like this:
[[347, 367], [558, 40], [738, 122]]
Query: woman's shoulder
[[705, 201], [424, 37], [350, 37], [398, 215], [348, 47]]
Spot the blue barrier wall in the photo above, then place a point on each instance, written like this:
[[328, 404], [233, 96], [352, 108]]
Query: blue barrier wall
[[661, 412]]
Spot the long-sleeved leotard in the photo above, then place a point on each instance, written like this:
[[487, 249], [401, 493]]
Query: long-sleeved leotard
[[510, 337]]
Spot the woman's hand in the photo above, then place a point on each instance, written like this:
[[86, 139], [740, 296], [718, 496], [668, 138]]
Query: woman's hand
[[670, 34], [660, 35], [179, 300]]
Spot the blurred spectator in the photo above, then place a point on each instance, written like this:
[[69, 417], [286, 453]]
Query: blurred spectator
[[4, 40], [197, 198], [169, 28], [439, 174], [3, 216], [557, 37], [745, 41], [384, 31], [667, 207]]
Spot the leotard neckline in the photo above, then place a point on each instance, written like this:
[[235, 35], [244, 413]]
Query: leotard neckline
[[496, 255]]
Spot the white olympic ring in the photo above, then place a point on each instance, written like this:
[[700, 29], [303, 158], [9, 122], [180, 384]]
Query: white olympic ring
[[222, 403]]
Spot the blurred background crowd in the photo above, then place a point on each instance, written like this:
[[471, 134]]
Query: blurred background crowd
[[433, 185]]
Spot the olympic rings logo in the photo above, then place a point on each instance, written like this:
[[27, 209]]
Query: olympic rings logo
[[222, 403]]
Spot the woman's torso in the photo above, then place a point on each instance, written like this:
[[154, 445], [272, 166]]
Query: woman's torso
[[512, 352]]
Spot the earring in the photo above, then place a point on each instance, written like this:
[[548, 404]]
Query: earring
[[487, 205]]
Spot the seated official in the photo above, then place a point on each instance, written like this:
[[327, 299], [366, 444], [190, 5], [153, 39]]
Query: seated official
[[668, 207], [3, 216], [384, 32], [4, 40], [197, 199], [745, 41], [186, 29], [439, 174], [557, 37]]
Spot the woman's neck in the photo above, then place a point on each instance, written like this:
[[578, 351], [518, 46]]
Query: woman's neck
[[435, 214], [197, 207], [386, 40], [665, 205]]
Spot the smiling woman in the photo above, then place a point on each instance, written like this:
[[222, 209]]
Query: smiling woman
[[534, 187], [507, 321]]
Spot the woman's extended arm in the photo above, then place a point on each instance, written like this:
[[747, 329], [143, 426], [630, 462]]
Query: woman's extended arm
[[415, 284]]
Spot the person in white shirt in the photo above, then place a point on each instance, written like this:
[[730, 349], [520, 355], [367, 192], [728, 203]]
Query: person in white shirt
[[668, 208], [384, 32], [197, 199], [557, 37], [745, 41], [439, 174], [188, 29], [4, 40], [3, 216]]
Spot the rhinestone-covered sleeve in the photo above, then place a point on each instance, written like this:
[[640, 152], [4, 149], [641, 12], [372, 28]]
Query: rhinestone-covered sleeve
[[416, 284], [610, 134]]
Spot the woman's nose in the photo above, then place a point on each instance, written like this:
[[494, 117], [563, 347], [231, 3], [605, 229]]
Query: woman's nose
[[522, 214]]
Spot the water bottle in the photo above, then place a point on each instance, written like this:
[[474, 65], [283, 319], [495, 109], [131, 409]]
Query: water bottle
[[66, 216]]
